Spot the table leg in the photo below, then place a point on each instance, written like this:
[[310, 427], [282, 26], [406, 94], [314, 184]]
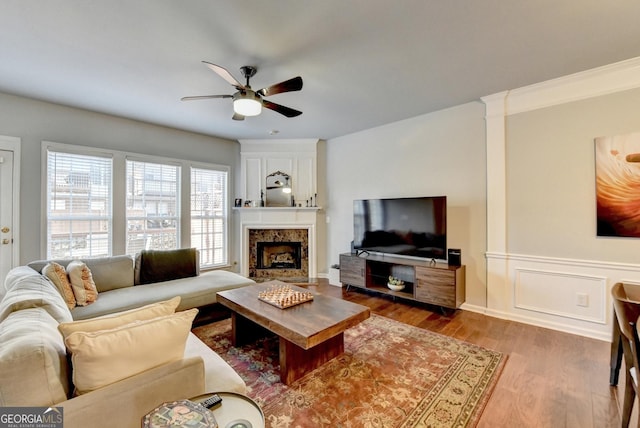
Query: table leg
[[616, 352], [295, 361], [245, 331]]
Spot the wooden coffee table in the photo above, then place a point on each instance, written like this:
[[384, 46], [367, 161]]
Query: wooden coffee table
[[311, 333]]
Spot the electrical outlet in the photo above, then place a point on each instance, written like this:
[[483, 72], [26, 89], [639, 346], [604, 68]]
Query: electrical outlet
[[582, 299]]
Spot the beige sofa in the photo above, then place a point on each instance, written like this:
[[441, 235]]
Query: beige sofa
[[36, 370]]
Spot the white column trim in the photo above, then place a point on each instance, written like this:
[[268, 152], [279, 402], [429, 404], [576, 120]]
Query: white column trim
[[496, 171], [497, 290]]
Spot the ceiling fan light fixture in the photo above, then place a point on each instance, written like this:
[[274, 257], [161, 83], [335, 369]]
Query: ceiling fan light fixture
[[247, 104], [246, 101]]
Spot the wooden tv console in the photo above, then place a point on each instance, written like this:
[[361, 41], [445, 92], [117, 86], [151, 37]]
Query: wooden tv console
[[425, 281]]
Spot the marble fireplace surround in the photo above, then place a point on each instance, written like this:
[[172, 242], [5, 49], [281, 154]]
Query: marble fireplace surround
[[285, 236], [280, 224]]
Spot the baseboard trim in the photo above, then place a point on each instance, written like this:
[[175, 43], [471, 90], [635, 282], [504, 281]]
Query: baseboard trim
[[605, 337]]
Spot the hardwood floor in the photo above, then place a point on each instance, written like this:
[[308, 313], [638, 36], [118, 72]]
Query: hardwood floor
[[551, 379]]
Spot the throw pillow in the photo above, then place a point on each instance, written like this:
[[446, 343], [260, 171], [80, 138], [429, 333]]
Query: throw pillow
[[56, 273], [107, 356], [165, 265], [84, 289], [107, 322]]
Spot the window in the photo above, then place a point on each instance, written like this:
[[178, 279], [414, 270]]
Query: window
[[79, 222], [102, 202], [209, 215], [153, 208]]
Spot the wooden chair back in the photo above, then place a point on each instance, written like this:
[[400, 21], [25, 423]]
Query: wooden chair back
[[626, 303]]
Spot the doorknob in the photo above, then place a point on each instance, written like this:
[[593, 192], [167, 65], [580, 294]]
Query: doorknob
[[5, 229]]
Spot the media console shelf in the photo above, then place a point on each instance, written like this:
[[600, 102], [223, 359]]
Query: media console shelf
[[437, 284]]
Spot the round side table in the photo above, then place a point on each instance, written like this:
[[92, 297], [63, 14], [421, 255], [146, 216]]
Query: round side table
[[235, 410]]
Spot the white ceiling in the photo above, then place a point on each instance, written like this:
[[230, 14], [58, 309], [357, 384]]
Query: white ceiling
[[364, 63]]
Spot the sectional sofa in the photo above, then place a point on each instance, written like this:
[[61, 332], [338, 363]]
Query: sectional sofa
[[109, 362]]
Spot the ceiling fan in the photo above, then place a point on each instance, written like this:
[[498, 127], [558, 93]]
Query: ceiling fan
[[247, 102]]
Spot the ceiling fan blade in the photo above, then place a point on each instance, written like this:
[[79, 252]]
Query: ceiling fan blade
[[286, 111], [224, 73], [237, 116], [290, 85], [204, 97]]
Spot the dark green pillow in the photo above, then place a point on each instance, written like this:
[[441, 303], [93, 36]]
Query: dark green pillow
[[165, 265]]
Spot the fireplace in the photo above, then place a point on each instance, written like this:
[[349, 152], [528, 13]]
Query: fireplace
[[279, 255]]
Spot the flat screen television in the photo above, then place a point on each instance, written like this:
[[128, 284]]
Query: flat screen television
[[414, 227]]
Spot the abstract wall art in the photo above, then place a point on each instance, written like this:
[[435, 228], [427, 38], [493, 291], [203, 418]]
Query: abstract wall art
[[618, 185]]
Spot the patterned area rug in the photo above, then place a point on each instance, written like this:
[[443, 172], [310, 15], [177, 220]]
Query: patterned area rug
[[390, 375]]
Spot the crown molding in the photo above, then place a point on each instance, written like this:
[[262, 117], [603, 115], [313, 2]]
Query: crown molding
[[608, 79], [495, 104]]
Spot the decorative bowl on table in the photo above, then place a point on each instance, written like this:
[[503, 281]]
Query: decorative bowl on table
[[395, 284]]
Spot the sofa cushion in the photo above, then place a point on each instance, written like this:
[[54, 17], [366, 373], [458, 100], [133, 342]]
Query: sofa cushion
[[81, 279], [26, 288], [57, 274], [218, 374], [123, 404], [112, 272], [165, 265], [195, 292], [38, 265], [107, 322], [108, 272], [103, 357], [33, 360]]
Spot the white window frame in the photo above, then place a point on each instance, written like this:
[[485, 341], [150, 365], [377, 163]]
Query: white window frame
[[179, 188], [70, 150], [225, 215], [119, 232]]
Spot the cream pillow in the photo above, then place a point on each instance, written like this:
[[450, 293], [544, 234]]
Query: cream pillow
[[84, 289], [58, 275], [107, 356], [107, 322]]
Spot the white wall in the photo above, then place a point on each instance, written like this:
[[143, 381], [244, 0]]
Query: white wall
[[551, 178], [545, 264], [442, 153], [34, 121]]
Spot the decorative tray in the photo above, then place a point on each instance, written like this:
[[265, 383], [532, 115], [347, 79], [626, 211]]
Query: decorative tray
[[180, 413], [283, 296]]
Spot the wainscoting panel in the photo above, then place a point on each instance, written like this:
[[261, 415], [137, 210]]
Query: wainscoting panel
[[568, 295]]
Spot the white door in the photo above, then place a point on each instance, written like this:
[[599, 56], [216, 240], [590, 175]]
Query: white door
[[7, 222], [10, 148]]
